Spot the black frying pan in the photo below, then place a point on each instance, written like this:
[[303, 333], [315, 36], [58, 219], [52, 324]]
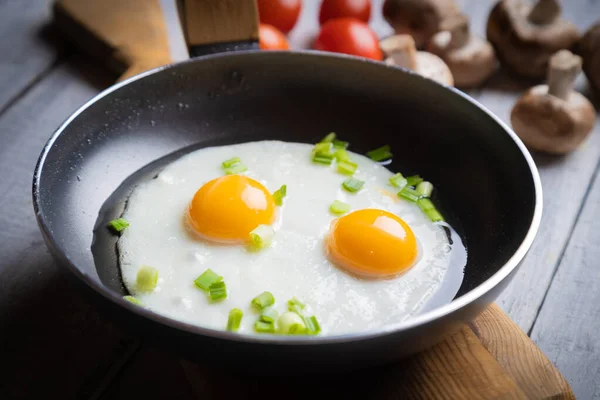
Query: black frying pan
[[488, 185]]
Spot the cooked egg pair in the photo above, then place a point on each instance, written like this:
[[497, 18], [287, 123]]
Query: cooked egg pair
[[192, 217], [371, 243]]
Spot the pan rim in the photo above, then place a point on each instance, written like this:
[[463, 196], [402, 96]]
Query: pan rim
[[426, 318]]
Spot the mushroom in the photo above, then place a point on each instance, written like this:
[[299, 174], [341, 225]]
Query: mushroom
[[553, 118], [525, 37], [401, 51], [470, 58], [418, 18], [589, 49]]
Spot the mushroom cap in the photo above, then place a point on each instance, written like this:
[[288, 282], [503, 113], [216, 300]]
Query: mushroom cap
[[433, 67], [418, 18], [589, 49], [470, 64], [548, 124], [525, 47]]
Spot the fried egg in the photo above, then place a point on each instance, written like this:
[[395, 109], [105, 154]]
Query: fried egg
[[381, 263]]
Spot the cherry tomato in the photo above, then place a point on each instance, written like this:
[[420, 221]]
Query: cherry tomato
[[359, 9], [282, 14], [349, 36], [271, 38]]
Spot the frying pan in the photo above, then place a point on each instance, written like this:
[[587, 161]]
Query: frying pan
[[487, 183]]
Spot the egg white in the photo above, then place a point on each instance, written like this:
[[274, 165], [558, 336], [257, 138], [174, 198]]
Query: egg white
[[295, 264]]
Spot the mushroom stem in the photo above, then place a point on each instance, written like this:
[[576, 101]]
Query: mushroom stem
[[562, 71], [544, 12], [458, 27], [401, 49]]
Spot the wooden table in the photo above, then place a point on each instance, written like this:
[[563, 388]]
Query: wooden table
[[54, 342]]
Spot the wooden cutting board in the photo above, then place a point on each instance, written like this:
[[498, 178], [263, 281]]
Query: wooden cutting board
[[488, 359]]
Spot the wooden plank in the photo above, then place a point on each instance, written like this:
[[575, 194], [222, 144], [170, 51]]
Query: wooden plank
[[25, 53], [55, 343], [521, 358], [568, 326]]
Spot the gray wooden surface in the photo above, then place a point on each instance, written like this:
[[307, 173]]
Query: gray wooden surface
[[44, 322]]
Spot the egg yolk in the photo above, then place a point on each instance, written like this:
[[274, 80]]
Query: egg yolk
[[372, 243], [228, 208]]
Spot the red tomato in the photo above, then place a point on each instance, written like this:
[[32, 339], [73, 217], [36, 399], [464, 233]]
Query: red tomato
[[359, 9], [349, 36], [282, 14], [271, 38]]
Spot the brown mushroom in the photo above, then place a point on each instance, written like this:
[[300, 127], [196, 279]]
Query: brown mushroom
[[470, 58], [401, 51], [525, 37], [553, 118], [418, 18], [589, 49]]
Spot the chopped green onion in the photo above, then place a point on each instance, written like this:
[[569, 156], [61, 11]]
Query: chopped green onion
[[347, 167], [414, 180], [322, 158], [207, 278], [263, 300], [236, 169], [234, 320], [133, 300], [231, 162], [291, 323], [294, 302], [329, 138], [352, 185], [398, 181], [425, 188], [218, 291], [340, 144], [262, 236], [264, 327], [339, 207], [380, 154], [429, 209], [313, 326], [323, 148], [341, 155], [409, 194], [147, 278], [117, 225], [279, 194], [269, 314]]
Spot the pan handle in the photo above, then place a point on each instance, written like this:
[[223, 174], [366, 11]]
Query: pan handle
[[215, 26]]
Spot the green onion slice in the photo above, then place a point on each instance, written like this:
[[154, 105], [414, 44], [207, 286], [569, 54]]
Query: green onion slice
[[264, 327], [347, 167], [409, 194], [341, 155], [380, 154], [414, 180], [269, 314], [424, 189], [429, 209], [323, 148], [262, 236], [291, 323], [207, 278], [133, 300], [340, 144], [322, 159], [235, 319], [398, 181], [329, 138], [353, 185], [279, 194], [117, 225], [231, 162], [294, 303], [236, 169], [263, 300], [218, 291], [339, 207], [147, 278]]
